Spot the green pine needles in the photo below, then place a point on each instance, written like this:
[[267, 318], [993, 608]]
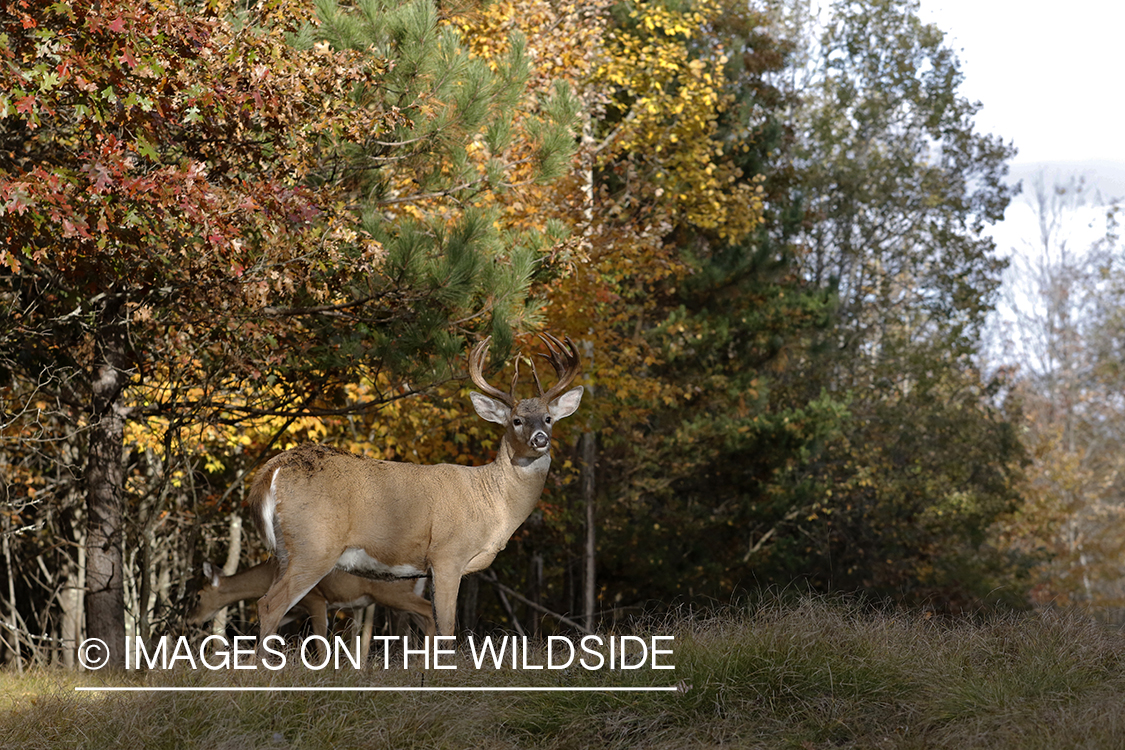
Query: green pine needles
[[459, 132]]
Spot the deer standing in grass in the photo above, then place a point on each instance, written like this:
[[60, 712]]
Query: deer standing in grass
[[322, 509], [337, 590]]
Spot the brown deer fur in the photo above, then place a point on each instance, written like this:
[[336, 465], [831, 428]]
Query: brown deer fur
[[322, 509]]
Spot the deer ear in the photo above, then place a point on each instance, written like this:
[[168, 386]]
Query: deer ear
[[211, 573], [490, 408], [566, 404]]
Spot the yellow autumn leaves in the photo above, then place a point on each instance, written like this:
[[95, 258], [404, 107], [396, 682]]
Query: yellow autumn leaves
[[653, 91], [668, 98]]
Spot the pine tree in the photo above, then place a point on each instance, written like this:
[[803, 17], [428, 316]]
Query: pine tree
[[428, 190]]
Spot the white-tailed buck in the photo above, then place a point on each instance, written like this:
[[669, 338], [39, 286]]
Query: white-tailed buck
[[321, 509], [337, 590]]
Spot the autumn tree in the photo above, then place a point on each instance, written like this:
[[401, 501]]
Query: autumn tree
[[717, 335], [120, 199], [1061, 331], [214, 216], [791, 379], [898, 187], [672, 189]]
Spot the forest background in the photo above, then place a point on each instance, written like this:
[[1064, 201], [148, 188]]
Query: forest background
[[231, 228]]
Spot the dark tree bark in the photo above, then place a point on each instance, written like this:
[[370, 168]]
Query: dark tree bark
[[105, 477], [590, 548]]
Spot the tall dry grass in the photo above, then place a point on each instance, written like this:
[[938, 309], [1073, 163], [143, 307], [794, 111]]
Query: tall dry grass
[[815, 674]]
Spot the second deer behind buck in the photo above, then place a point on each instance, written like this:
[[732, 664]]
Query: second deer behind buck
[[337, 590], [320, 508]]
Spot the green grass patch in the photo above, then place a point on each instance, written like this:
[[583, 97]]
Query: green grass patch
[[816, 674]]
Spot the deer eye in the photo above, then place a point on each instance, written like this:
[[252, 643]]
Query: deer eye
[[517, 422], [547, 420]]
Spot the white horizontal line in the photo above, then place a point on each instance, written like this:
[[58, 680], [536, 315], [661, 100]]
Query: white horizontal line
[[374, 689]]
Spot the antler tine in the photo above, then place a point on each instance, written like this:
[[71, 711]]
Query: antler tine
[[535, 374], [563, 359], [555, 353], [476, 374]]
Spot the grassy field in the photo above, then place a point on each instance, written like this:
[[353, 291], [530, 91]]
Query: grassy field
[[817, 674]]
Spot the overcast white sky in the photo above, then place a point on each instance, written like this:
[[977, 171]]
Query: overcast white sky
[[1051, 78], [1050, 75]]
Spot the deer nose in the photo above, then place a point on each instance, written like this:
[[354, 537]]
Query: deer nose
[[539, 440]]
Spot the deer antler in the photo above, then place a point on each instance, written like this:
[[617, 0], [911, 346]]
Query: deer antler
[[565, 362], [476, 363], [563, 359]]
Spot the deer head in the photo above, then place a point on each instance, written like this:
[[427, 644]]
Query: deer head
[[528, 422]]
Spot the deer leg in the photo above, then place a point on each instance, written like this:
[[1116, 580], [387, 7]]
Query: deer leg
[[424, 610], [412, 602], [285, 592], [445, 585], [317, 606]]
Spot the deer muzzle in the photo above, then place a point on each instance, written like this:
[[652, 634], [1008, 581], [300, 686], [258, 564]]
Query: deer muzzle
[[540, 440]]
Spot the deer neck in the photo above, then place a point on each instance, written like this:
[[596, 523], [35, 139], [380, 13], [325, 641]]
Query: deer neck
[[247, 584], [521, 477]]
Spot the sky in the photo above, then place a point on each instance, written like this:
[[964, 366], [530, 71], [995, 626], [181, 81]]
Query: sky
[[1049, 75], [1051, 78]]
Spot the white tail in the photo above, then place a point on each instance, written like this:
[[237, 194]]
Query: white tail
[[322, 509], [337, 590]]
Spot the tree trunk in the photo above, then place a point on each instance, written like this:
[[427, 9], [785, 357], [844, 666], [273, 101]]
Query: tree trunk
[[72, 601], [144, 586], [230, 566], [535, 593], [13, 625], [589, 585], [589, 460], [105, 478]]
